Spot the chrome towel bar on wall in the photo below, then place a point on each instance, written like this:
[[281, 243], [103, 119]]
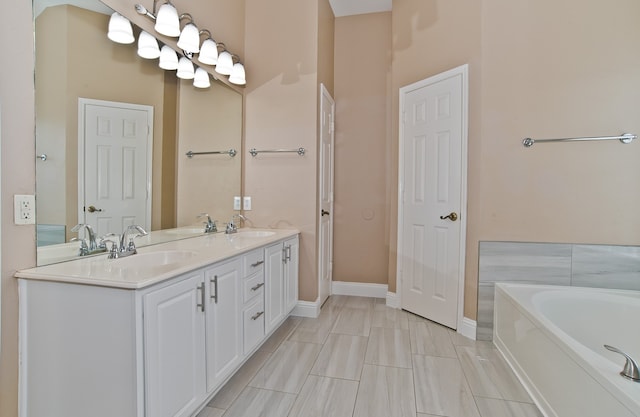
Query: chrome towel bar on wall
[[299, 151], [230, 152], [624, 138]]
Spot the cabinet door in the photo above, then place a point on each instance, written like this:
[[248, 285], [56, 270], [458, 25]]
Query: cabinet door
[[253, 325], [291, 262], [273, 287], [174, 348], [224, 321]]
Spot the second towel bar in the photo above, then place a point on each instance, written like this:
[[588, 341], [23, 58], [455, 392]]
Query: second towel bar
[[624, 138], [230, 152], [299, 151]]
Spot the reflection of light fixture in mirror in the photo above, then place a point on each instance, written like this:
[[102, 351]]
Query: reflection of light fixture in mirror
[[120, 30], [189, 40], [237, 74], [225, 63], [201, 79], [209, 50], [168, 58], [148, 46], [185, 69], [168, 21]]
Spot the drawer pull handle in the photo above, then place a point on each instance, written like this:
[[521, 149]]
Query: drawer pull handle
[[257, 264], [214, 295], [256, 287], [201, 303], [257, 315]]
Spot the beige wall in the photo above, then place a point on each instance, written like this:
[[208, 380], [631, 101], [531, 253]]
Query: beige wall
[[17, 177], [362, 77]]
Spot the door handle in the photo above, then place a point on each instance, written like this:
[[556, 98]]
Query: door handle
[[324, 212], [453, 216], [92, 209]]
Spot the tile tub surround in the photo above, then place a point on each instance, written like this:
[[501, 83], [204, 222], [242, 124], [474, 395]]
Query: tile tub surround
[[335, 371], [601, 266]]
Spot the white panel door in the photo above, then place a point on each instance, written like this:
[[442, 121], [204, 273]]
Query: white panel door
[[431, 200], [224, 321], [325, 235], [116, 173], [174, 339]]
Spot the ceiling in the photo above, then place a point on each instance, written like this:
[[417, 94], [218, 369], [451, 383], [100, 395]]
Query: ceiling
[[351, 7]]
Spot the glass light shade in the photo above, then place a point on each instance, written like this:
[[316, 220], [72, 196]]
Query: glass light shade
[[120, 30], [208, 52], [237, 75], [185, 69], [148, 46], [168, 58], [167, 21], [189, 40], [201, 79], [225, 63]]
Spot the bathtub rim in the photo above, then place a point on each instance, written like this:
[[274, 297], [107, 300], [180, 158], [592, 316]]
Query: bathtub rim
[[603, 371]]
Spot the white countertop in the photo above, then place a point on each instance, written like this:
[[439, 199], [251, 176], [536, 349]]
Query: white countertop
[[142, 270]]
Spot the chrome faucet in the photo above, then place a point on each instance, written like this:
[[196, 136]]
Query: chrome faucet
[[124, 248], [91, 247], [630, 370], [232, 227], [210, 225]]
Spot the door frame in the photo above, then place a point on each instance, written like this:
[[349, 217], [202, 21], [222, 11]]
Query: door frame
[[324, 93], [82, 103], [462, 71]]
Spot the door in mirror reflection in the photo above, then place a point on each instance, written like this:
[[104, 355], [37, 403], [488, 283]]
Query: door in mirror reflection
[[114, 170]]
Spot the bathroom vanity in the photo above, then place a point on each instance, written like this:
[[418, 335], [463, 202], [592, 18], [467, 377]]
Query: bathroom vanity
[[154, 334]]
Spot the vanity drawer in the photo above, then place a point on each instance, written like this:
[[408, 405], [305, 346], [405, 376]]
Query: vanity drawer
[[252, 262], [253, 286], [253, 325]]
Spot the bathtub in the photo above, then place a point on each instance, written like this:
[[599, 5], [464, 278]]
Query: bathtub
[[553, 337]]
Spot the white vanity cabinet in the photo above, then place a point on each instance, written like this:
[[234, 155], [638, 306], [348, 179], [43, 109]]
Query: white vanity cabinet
[[105, 346], [281, 281]]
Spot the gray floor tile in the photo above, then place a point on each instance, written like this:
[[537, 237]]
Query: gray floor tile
[[323, 397], [353, 320], [430, 339], [490, 407], [385, 392], [281, 334], [389, 347], [254, 402], [342, 356]]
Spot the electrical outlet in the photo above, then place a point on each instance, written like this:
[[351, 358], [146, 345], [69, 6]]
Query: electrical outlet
[[236, 203], [246, 204], [24, 209]]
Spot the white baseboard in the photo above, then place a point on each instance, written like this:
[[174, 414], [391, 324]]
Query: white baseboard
[[393, 300], [307, 309], [359, 289], [468, 328]]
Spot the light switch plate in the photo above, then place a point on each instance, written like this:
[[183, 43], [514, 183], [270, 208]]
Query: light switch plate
[[236, 203], [246, 204], [24, 209]]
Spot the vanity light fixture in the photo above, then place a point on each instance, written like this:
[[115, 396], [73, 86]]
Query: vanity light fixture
[[167, 20], [201, 79], [168, 58], [225, 63], [185, 69], [237, 74], [189, 40], [120, 30], [148, 46], [209, 50]]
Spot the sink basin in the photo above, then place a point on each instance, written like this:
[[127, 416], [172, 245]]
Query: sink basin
[[151, 259], [255, 233]]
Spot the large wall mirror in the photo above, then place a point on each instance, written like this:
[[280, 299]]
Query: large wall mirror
[[78, 69]]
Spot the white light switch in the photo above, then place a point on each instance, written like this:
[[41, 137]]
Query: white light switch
[[236, 203], [24, 209], [246, 204]]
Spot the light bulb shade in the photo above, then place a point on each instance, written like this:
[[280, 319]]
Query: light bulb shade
[[148, 46], [168, 58], [208, 52], [201, 79], [225, 63], [237, 75], [120, 30], [185, 69], [189, 40], [167, 21]]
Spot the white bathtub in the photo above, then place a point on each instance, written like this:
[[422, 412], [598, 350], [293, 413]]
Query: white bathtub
[[553, 338]]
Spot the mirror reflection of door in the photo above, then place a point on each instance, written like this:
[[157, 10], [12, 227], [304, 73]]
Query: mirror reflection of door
[[114, 168]]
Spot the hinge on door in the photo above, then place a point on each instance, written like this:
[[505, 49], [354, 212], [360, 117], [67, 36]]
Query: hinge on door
[[332, 126]]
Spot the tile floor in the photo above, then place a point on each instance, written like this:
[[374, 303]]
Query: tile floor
[[360, 358]]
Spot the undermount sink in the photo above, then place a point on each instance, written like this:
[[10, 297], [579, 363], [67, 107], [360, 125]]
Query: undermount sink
[[255, 233], [151, 259]]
